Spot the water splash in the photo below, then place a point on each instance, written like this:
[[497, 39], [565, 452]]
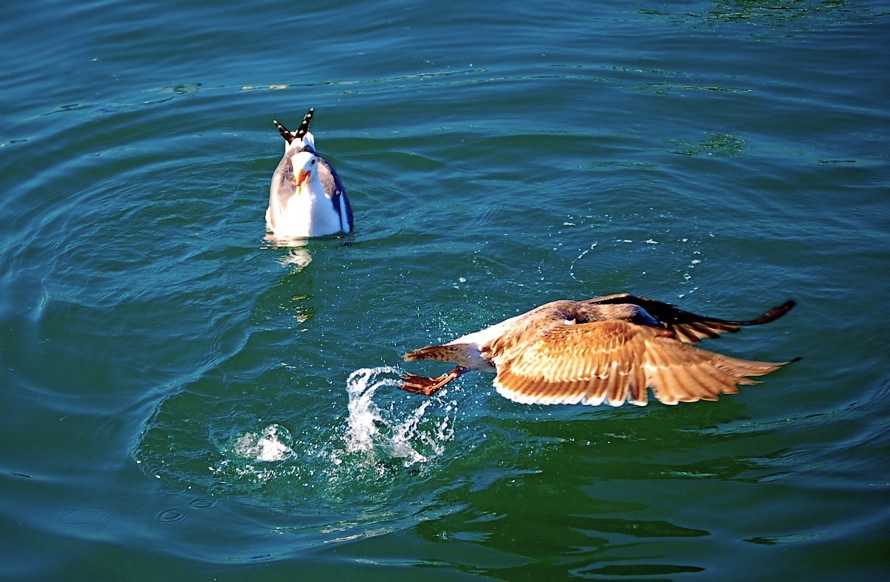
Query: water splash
[[272, 444], [382, 434], [386, 434], [367, 465]]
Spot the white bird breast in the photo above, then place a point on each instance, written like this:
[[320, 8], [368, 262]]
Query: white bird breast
[[300, 212]]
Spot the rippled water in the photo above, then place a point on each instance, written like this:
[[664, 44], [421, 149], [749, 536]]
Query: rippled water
[[178, 391]]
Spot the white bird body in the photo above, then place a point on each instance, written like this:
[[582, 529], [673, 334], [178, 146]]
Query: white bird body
[[306, 198]]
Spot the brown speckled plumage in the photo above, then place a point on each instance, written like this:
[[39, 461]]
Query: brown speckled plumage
[[606, 349]]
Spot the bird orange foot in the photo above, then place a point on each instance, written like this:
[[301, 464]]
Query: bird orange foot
[[428, 386]]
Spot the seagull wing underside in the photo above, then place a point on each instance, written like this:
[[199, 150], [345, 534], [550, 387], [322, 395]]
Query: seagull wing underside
[[615, 362]]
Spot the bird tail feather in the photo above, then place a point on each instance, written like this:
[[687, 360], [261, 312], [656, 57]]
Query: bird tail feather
[[441, 353]]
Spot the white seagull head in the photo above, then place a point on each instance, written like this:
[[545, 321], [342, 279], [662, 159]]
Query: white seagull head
[[306, 175]]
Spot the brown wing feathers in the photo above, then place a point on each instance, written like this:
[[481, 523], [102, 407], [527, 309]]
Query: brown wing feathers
[[569, 352], [614, 362], [586, 363]]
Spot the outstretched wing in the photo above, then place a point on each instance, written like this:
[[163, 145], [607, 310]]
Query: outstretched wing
[[689, 327], [615, 362]]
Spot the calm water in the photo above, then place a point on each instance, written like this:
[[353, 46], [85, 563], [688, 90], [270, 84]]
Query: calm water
[[721, 155]]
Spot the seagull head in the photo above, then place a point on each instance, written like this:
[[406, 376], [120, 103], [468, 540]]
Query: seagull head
[[305, 165]]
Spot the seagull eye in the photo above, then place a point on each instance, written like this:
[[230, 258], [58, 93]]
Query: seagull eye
[[312, 162]]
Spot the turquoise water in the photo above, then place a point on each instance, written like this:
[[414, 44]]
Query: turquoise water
[[724, 156]]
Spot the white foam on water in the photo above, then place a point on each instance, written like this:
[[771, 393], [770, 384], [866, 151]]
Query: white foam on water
[[272, 444], [257, 457]]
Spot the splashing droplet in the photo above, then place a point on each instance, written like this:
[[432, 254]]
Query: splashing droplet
[[386, 434]]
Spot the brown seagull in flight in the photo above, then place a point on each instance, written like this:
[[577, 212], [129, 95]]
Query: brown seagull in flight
[[606, 349]]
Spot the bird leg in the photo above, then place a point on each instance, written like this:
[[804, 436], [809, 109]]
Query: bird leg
[[427, 386]]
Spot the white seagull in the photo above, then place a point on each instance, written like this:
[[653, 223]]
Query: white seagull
[[606, 349], [306, 197]]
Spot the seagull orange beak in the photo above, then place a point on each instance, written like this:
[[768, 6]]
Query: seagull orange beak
[[301, 177]]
